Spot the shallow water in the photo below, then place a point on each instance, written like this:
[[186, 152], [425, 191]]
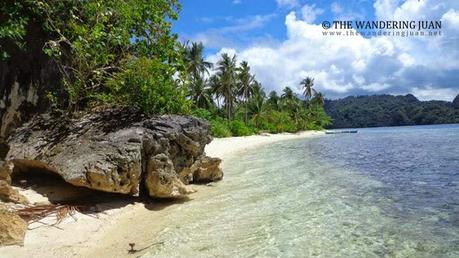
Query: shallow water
[[386, 192]]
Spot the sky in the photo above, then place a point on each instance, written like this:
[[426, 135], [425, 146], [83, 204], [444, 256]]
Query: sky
[[283, 42]]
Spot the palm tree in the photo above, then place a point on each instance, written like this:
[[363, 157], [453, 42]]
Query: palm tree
[[273, 100], [195, 63], [319, 98], [200, 93], [288, 93], [257, 104], [245, 84], [215, 88], [226, 72], [307, 85], [289, 100]]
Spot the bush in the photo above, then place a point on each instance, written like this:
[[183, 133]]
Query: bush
[[203, 113], [219, 128], [238, 128], [147, 84]]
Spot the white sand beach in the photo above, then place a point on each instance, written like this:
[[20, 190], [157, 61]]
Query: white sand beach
[[119, 223]]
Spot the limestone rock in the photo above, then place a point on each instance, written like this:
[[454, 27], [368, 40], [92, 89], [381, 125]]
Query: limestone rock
[[5, 171], [161, 179], [9, 194], [207, 169], [115, 150], [12, 228]]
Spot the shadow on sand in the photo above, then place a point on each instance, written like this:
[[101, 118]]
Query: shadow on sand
[[50, 188]]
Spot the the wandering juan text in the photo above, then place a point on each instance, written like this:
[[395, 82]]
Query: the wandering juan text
[[387, 25]]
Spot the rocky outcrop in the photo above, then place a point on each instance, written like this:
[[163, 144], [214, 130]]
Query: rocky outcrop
[[12, 228], [116, 151], [26, 79], [9, 194], [207, 169]]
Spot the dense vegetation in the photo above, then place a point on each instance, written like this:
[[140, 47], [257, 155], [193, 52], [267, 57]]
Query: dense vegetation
[[388, 110], [123, 53], [236, 104]]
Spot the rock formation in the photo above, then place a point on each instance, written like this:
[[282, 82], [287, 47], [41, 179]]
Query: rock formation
[[207, 170], [12, 228], [9, 194], [120, 151]]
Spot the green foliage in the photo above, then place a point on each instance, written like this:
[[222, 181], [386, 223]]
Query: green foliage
[[387, 110], [276, 122], [123, 52], [219, 128], [203, 113], [13, 24], [92, 40], [147, 84], [238, 128]]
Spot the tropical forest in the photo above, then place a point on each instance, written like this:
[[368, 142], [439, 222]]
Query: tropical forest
[[106, 53]]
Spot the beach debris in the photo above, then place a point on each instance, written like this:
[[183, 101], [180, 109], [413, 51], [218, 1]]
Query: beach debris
[[38, 213], [132, 250]]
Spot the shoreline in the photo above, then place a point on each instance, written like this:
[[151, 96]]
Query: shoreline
[[120, 222]]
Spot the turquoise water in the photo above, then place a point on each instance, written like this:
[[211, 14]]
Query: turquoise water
[[385, 192]]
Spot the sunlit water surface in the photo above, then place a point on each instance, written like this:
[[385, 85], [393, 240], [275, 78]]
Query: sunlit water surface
[[385, 192]]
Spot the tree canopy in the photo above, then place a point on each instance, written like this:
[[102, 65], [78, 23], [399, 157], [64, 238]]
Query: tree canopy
[[97, 42]]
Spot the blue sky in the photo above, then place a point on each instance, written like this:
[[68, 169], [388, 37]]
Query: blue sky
[[283, 42], [257, 19]]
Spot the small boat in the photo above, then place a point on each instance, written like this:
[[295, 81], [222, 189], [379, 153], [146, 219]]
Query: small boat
[[342, 131]]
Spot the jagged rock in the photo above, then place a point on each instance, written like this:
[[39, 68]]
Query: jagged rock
[[5, 171], [9, 194], [12, 228], [161, 179], [113, 150], [207, 169]]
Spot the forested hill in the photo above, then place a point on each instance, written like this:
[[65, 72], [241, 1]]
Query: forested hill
[[388, 110]]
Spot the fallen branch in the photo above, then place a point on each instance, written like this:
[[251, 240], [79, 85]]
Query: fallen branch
[[37, 213]]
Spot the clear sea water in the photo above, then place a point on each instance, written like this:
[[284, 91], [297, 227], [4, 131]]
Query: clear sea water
[[384, 192]]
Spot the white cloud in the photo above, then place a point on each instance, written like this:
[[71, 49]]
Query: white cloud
[[310, 12], [356, 65], [452, 19], [288, 3], [430, 92], [336, 8]]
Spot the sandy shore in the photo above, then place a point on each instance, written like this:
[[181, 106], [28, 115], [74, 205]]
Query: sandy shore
[[119, 223]]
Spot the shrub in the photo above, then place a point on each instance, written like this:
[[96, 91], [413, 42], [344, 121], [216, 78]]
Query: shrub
[[219, 128], [147, 84], [238, 128], [203, 113]]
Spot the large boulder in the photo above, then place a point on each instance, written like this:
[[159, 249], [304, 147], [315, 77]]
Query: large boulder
[[114, 150], [12, 228]]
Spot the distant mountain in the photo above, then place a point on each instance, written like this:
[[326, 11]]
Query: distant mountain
[[389, 110]]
